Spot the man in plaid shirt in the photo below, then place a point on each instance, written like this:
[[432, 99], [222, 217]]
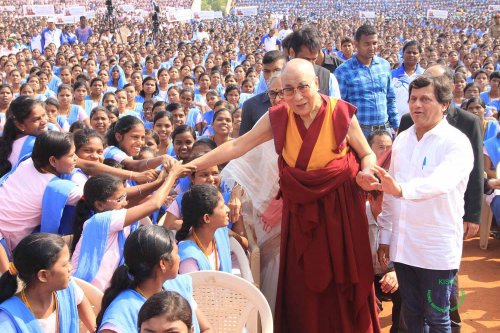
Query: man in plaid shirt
[[365, 81]]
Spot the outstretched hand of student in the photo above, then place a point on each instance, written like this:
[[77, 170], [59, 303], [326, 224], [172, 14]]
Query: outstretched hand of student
[[387, 183], [179, 170], [146, 176]]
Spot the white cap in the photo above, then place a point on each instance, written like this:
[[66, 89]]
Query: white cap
[[51, 20]]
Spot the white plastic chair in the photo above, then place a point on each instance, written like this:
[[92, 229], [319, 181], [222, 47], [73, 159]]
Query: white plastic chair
[[485, 224], [242, 258], [93, 294], [231, 303]]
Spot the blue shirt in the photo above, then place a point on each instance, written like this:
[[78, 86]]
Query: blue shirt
[[370, 89]]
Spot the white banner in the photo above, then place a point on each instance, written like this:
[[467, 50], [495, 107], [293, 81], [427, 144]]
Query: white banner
[[38, 10], [179, 15], [204, 15], [494, 8], [67, 19], [364, 14], [246, 11], [437, 14], [218, 14], [127, 8], [7, 8], [89, 15], [74, 11]]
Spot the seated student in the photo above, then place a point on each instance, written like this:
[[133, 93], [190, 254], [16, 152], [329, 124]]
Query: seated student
[[94, 99], [491, 97], [163, 84], [27, 120], [89, 146], [203, 237], [236, 118], [147, 112], [102, 222], [490, 126], [125, 139], [163, 126], [200, 94], [208, 131], [151, 141], [56, 123], [122, 102], [71, 112], [193, 114], [212, 98], [33, 194], [80, 93], [159, 106], [151, 262], [222, 126], [178, 114], [166, 311], [43, 90], [183, 138], [132, 104], [232, 95], [210, 176], [49, 301], [174, 93], [99, 120], [149, 90]]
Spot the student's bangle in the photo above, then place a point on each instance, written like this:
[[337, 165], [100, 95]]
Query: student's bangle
[[147, 167], [140, 191], [130, 176]]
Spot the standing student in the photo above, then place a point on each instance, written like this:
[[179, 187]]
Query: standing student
[[27, 120], [49, 300], [203, 237], [102, 222], [151, 263]]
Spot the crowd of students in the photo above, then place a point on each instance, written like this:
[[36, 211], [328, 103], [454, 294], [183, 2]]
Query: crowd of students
[[97, 136]]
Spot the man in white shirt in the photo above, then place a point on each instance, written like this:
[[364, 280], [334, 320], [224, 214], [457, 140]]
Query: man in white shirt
[[423, 206]]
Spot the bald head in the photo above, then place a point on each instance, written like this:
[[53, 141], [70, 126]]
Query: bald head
[[300, 87], [439, 70], [298, 68]]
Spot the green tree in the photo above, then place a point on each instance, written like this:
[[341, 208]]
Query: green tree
[[215, 5]]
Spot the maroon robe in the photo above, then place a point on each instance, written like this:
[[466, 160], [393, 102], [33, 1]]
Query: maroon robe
[[326, 273]]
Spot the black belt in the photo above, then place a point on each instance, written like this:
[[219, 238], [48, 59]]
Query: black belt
[[375, 127]]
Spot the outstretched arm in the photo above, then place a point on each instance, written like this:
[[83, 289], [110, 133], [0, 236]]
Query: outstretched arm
[[233, 149], [358, 142]]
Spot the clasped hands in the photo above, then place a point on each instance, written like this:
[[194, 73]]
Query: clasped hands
[[367, 180]]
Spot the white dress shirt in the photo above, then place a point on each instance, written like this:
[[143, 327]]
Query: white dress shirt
[[424, 227]]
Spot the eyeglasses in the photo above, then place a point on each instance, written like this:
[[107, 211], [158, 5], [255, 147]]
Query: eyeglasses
[[302, 88], [120, 199], [273, 94]]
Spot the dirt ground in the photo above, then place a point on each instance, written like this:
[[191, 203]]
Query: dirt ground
[[479, 276]]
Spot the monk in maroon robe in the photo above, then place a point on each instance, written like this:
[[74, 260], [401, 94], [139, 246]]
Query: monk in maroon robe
[[326, 274]]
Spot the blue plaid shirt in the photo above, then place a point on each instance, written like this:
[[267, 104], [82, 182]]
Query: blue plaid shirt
[[370, 89]]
